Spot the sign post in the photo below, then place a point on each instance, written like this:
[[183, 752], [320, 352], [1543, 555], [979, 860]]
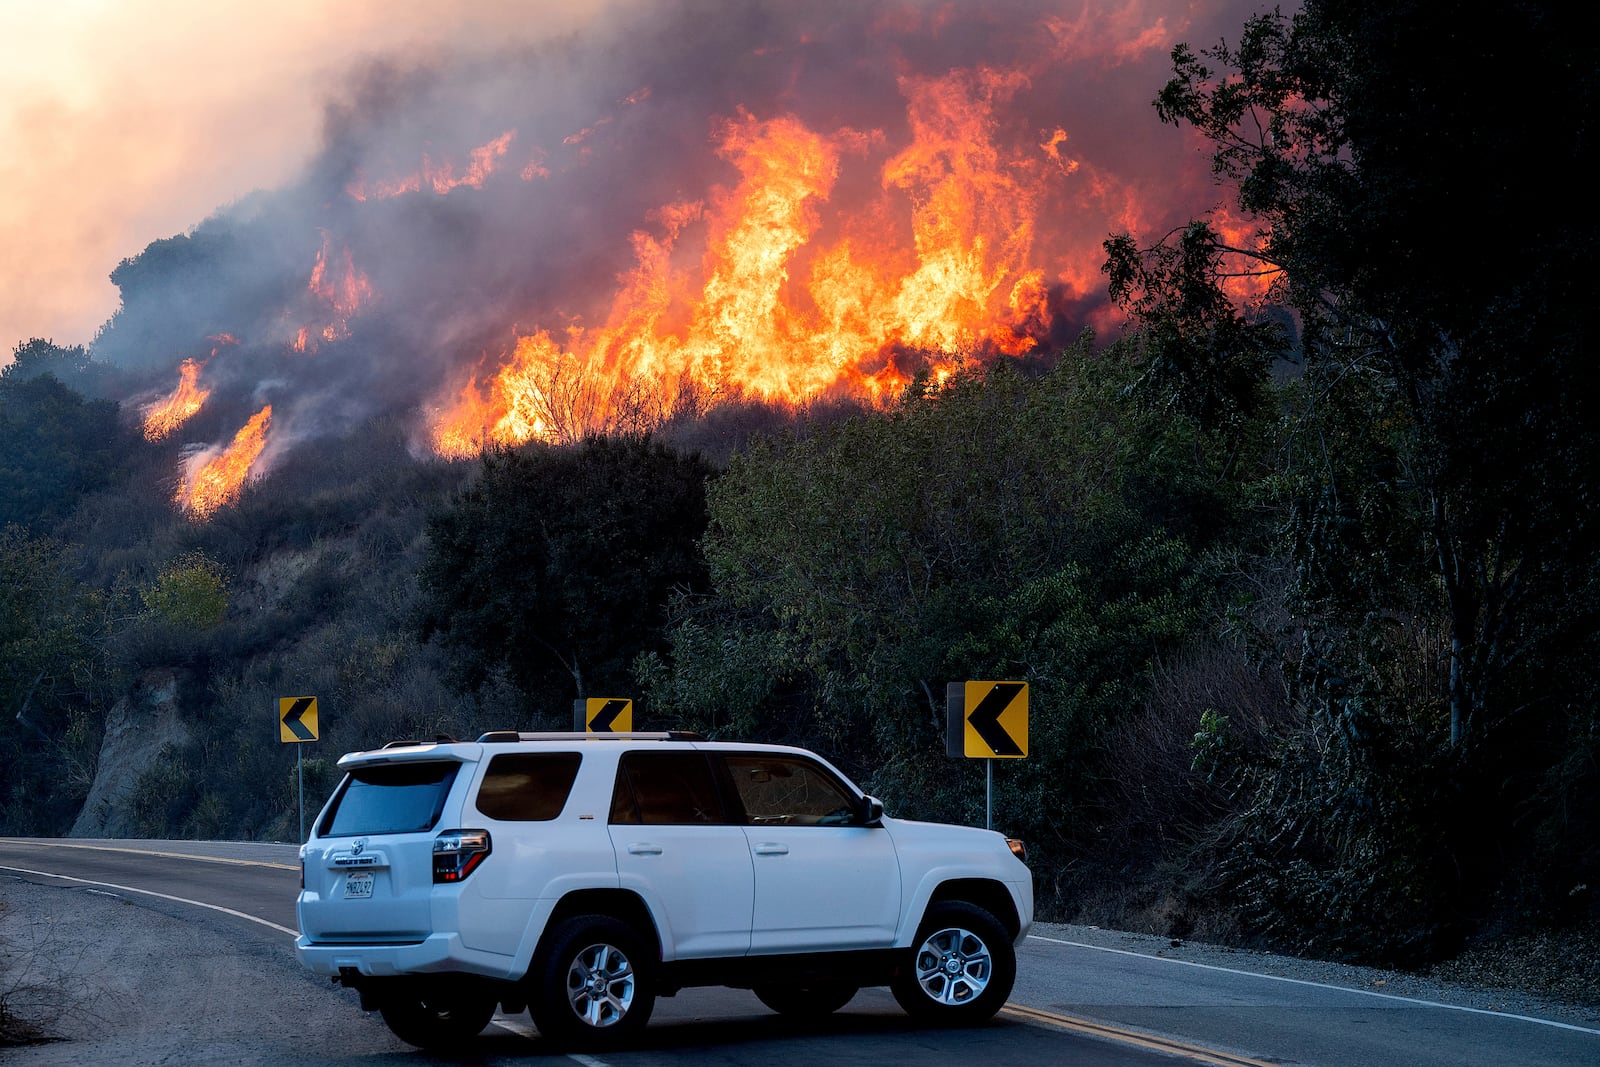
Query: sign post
[[297, 724], [603, 715], [987, 721]]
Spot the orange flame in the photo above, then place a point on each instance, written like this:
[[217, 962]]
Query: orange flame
[[163, 416], [344, 291], [439, 177], [789, 304], [340, 288], [1245, 278], [215, 479], [177, 407]]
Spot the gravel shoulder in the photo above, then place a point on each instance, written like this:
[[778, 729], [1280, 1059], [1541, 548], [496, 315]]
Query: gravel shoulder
[[107, 980]]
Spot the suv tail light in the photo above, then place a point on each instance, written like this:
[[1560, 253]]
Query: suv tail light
[[457, 853]]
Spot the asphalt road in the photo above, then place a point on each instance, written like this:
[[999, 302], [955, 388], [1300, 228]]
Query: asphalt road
[[165, 951]]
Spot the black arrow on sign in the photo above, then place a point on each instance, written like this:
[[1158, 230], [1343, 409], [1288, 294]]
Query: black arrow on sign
[[985, 718], [291, 718], [601, 723]]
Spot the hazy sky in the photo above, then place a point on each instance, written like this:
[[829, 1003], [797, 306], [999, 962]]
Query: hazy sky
[[124, 121]]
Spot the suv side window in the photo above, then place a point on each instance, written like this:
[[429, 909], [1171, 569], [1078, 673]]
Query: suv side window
[[527, 786], [666, 788], [795, 792]]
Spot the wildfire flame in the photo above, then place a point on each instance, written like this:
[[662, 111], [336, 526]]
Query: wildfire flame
[[167, 413], [438, 177], [340, 288], [177, 407], [867, 209], [214, 479], [788, 305]]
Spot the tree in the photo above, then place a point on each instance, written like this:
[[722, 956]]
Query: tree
[[70, 366], [1420, 215], [557, 563], [54, 679], [190, 592], [998, 526], [55, 446]]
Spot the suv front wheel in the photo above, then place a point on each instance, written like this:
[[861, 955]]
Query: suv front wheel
[[961, 968], [590, 991]]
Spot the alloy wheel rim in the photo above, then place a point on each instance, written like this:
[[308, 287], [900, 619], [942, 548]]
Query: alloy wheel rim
[[953, 966], [600, 985]]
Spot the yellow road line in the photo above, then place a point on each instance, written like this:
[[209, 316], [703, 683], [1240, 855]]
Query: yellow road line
[[150, 852], [1197, 1053]]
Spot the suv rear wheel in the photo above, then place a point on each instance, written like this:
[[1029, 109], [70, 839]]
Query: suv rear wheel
[[961, 969], [436, 1015], [806, 1001], [590, 991]]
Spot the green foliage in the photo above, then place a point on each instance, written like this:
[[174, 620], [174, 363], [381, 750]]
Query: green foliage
[[998, 527], [1438, 478], [1211, 743], [55, 446], [1201, 355], [1340, 851], [191, 592], [162, 794], [54, 680], [31, 359], [557, 563]]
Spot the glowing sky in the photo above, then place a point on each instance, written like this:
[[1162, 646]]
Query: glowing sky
[[125, 121]]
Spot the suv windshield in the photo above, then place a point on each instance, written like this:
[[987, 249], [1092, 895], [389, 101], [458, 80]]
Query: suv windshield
[[390, 798]]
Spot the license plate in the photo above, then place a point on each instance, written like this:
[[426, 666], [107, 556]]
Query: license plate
[[358, 884]]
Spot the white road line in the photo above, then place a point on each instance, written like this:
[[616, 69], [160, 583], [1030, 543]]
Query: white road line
[[1321, 985], [152, 893]]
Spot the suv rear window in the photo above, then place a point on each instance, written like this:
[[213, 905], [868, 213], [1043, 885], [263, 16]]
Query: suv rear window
[[528, 786], [390, 798]]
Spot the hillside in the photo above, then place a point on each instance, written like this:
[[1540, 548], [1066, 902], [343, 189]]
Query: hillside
[[1302, 566]]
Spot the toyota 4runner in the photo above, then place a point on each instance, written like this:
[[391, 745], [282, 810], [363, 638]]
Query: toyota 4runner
[[579, 877]]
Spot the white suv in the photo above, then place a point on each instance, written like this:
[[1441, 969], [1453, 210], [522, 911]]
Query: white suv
[[582, 876]]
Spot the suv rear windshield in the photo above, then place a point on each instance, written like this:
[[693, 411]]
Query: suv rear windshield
[[390, 798]]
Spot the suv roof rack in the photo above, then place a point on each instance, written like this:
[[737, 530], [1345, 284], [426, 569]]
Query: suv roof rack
[[509, 736], [439, 739]]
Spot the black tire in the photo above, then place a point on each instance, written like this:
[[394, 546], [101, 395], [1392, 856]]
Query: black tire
[[810, 1001], [438, 1015], [960, 968], [592, 987]]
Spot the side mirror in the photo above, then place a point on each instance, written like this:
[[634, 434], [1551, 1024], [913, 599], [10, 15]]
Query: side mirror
[[871, 811]]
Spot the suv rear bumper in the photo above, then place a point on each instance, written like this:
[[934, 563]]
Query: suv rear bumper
[[437, 953]]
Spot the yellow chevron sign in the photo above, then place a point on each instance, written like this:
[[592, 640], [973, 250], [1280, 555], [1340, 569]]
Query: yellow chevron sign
[[608, 715], [993, 719], [297, 719]]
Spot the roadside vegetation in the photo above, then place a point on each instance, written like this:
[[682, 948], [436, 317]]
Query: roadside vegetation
[[1303, 571]]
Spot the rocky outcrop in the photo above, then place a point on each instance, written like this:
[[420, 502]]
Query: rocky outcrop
[[138, 728]]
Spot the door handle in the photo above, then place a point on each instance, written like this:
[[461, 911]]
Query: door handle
[[772, 848], [644, 848]]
